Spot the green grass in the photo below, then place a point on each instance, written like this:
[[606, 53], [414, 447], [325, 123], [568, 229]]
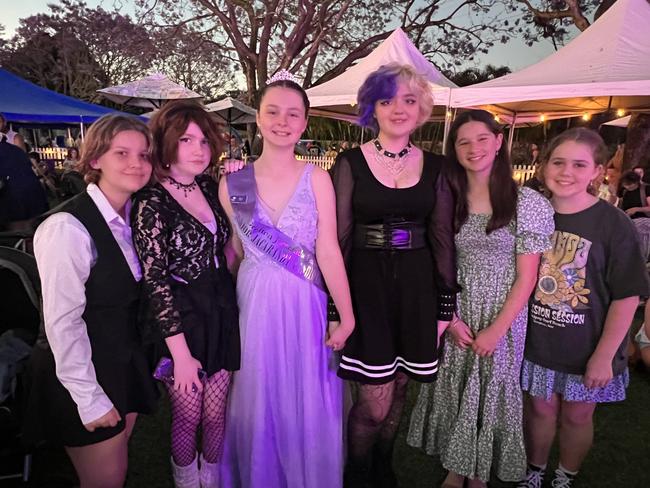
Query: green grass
[[620, 456]]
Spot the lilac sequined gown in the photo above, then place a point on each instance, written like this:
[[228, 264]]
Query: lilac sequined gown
[[284, 420]]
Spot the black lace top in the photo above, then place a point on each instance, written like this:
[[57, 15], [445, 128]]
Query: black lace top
[[173, 245], [360, 199]]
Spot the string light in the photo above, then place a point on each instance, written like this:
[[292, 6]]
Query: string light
[[620, 112], [448, 114], [496, 117], [542, 118], [586, 116]]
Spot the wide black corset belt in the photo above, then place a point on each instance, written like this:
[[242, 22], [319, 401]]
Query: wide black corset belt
[[390, 236]]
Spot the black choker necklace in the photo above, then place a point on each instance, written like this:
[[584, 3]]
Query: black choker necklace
[[189, 187], [389, 154]]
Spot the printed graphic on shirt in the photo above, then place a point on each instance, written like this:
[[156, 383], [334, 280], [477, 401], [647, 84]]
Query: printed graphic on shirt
[[561, 297]]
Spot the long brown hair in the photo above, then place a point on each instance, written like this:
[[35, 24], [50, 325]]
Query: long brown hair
[[503, 189]]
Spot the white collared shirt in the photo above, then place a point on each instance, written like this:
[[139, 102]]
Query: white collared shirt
[[65, 253]]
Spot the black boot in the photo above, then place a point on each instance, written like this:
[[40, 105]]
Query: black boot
[[356, 473], [381, 473]]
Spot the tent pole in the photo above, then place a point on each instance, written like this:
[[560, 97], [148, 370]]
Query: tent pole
[[511, 134], [445, 135], [83, 135], [35, 138], [362, 131]]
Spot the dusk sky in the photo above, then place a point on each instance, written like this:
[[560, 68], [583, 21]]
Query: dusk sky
[[515, 54]]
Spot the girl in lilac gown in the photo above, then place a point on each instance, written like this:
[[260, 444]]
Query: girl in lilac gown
[[284, 422]]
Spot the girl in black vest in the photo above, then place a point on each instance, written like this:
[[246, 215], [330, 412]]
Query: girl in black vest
[[89, 377]]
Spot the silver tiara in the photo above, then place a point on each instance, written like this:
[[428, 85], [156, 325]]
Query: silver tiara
[[283, 75]]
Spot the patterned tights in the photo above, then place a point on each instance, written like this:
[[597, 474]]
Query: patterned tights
[[207, 410], [374, 419]]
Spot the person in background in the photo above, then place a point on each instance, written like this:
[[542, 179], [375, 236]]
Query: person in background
[[88, 375], [234, 148], [641, 344], [608, 185], [331, 151], [42, 171], [534, 183], [12, 137], [71, 159], [22, 197], [587, 291], [635, 197]]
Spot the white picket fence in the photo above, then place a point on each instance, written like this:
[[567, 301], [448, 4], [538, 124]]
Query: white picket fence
[[56, 154], [522, 173], [320, 161]]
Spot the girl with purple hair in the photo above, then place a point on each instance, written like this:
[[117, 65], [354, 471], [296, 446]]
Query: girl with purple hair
[[395, 227]]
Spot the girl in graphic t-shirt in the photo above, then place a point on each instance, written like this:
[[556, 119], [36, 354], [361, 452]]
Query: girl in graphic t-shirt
[[587, 291]]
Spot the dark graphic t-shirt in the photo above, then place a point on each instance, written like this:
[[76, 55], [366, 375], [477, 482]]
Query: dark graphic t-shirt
[[595, 259]]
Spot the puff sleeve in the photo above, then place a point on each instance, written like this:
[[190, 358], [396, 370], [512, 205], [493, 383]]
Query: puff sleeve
[[535, 223]]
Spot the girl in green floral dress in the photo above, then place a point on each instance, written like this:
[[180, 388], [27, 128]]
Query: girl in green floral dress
[[472, 416]]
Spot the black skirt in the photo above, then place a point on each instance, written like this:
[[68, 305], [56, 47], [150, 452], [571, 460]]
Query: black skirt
[[51, 414], [210, 320]]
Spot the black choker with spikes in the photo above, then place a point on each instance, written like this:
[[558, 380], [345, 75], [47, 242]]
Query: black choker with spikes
[[392, 155]]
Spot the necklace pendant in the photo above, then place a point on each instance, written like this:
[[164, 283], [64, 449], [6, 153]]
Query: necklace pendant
[[186, 187]]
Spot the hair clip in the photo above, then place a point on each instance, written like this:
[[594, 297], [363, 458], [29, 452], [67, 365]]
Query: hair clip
[[283, 75]]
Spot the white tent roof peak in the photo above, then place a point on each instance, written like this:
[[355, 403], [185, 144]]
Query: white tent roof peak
[[396, 48], [596, 54], [609, 59]]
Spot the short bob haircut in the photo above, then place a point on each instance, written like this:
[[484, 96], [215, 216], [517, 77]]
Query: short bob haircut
[[503, 189], [99, 137], [382, 85], [170, 123], [579, 135]]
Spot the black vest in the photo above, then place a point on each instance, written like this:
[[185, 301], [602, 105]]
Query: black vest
[[112, 293]]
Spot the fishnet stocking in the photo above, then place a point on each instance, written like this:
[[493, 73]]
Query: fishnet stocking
[[186, 416], [373, 424], [215, 396], [366, 418], [390, 425]]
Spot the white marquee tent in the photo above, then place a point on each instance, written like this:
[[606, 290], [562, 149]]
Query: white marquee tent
[[620, 122], [606, 66], [337, 97]]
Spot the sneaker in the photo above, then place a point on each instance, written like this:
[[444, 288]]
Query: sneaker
[[561, 479], [534, 478]]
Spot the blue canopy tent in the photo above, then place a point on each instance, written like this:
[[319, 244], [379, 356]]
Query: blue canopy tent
[[24, 102]]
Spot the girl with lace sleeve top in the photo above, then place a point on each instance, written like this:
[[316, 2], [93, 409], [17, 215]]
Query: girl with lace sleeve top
[[181, 234]]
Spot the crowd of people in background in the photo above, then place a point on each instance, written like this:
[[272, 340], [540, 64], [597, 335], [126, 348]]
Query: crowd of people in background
[[256, 298]]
